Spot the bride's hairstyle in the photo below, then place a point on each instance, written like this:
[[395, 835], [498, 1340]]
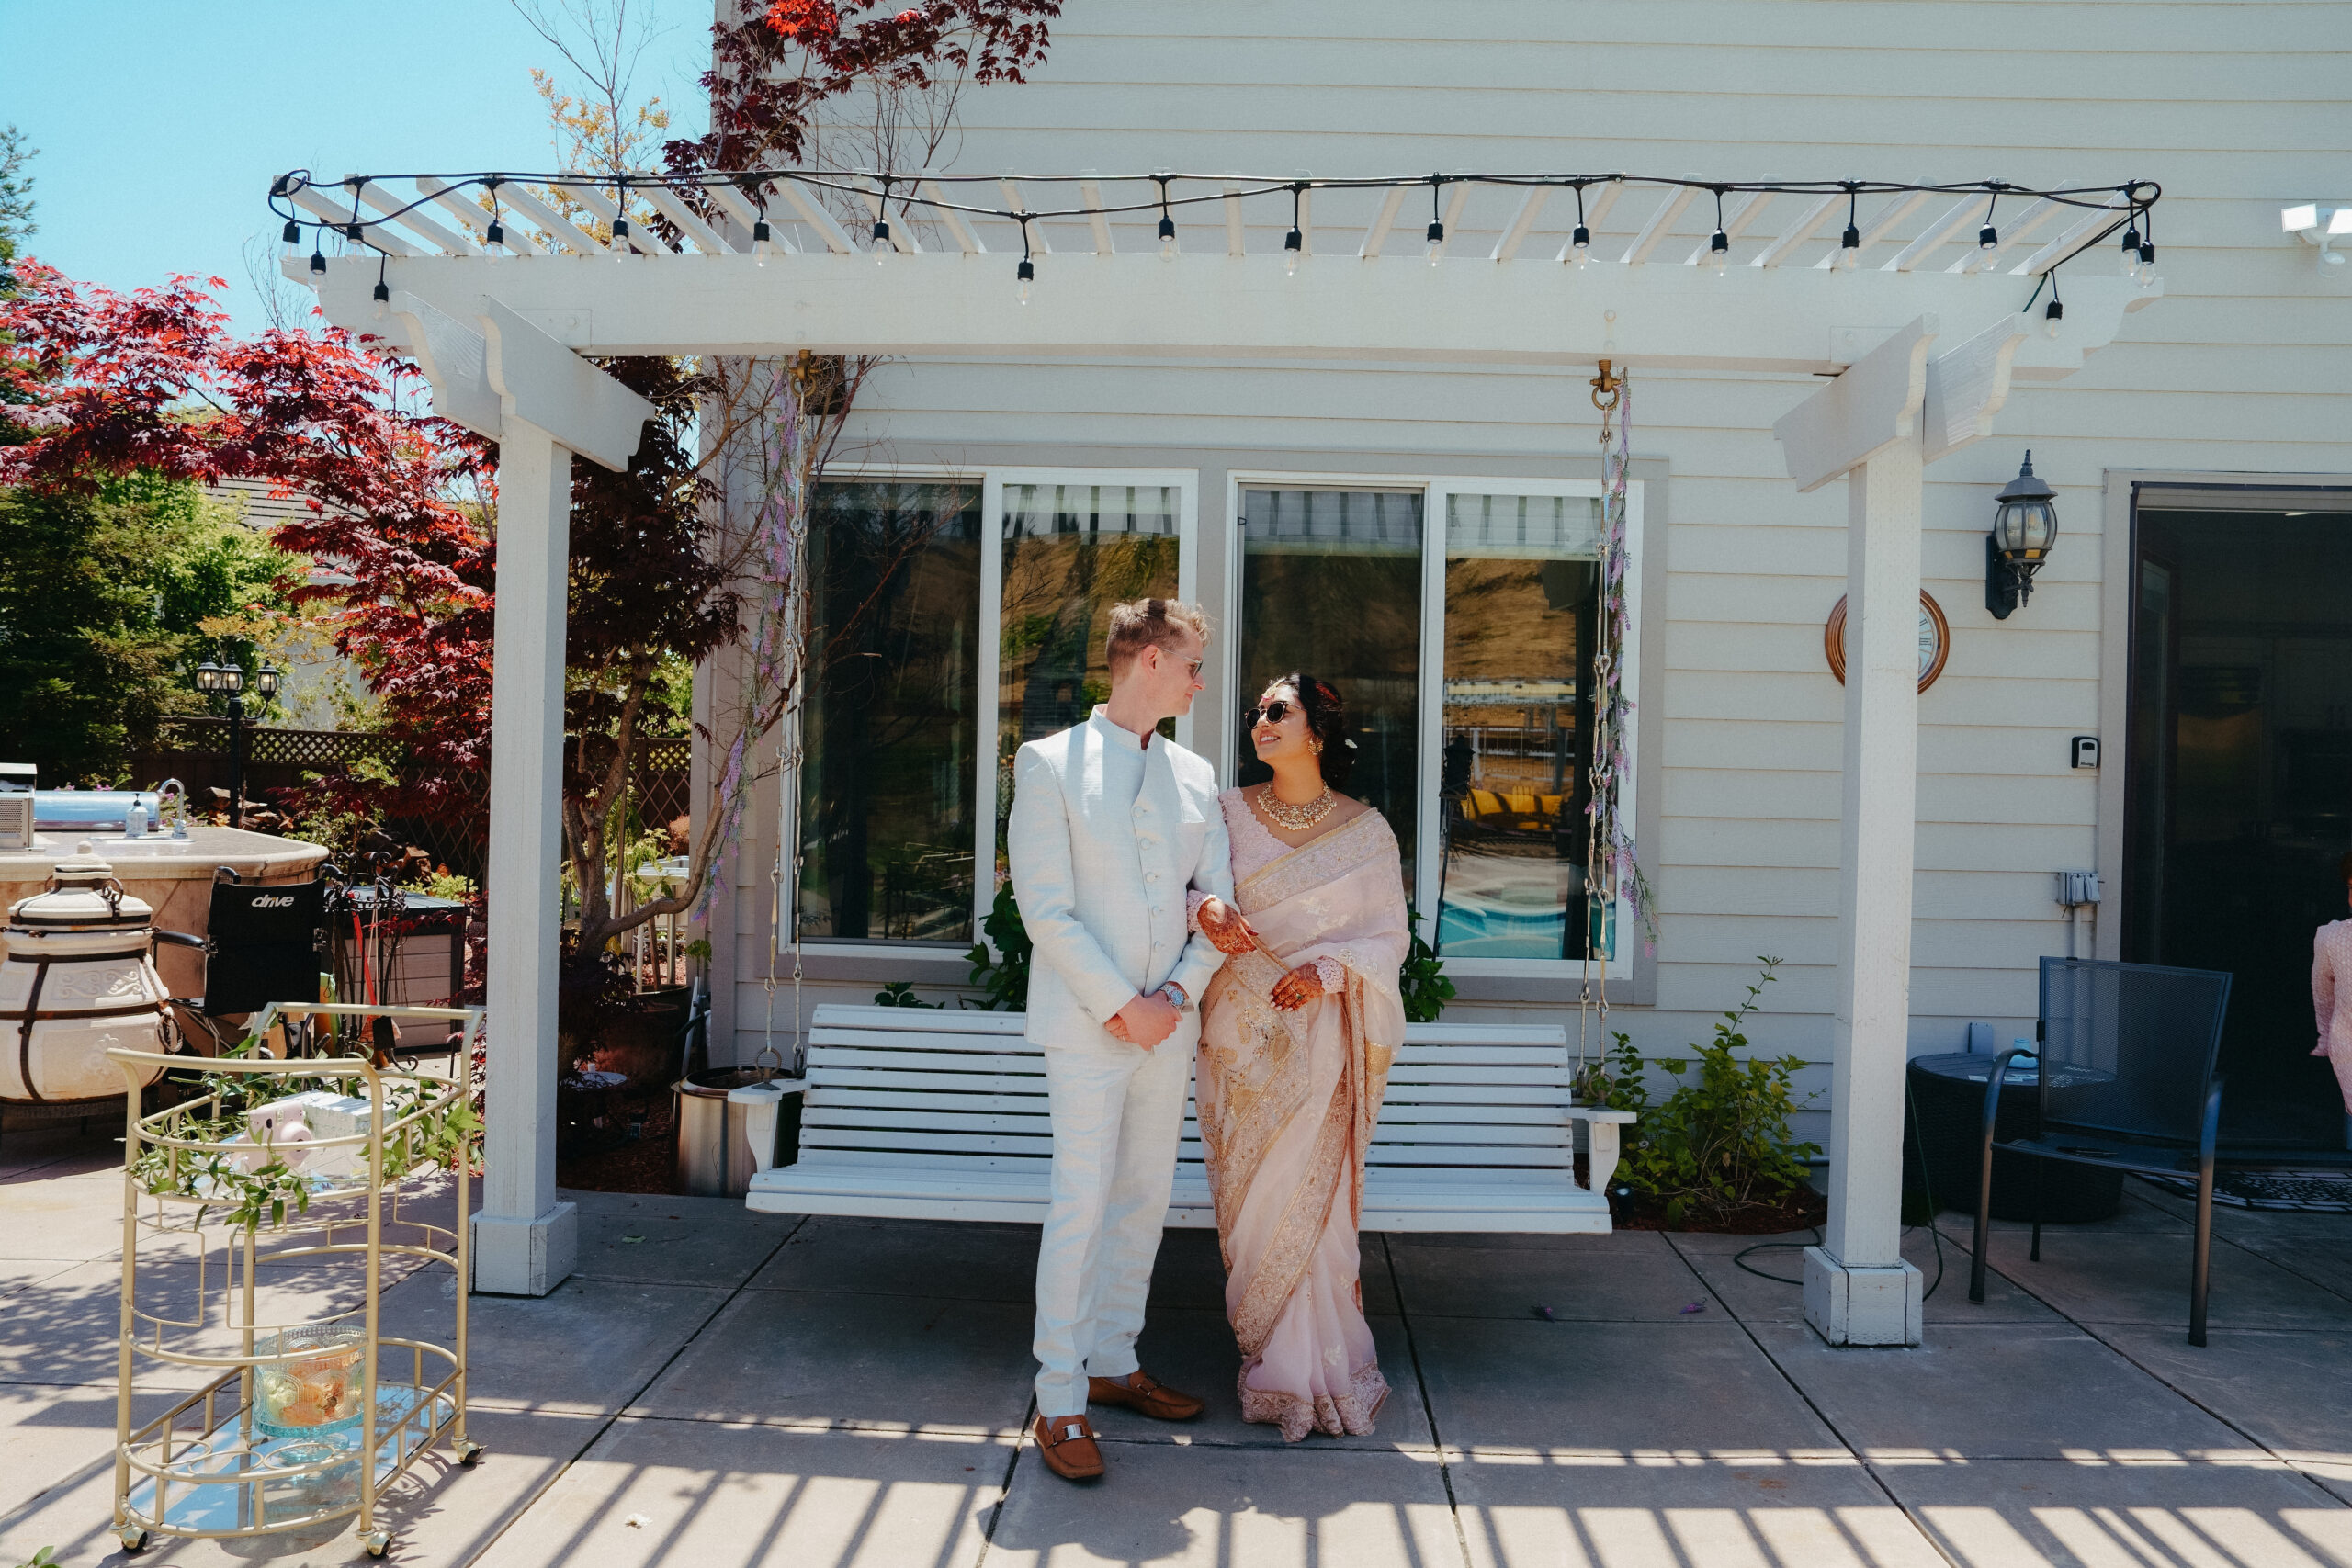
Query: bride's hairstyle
[[1327, 721]]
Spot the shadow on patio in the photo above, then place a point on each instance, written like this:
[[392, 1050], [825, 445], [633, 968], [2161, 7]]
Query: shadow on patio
[[718, 1388]]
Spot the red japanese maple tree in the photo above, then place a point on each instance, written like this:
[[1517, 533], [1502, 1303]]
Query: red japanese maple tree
[[101, 384]]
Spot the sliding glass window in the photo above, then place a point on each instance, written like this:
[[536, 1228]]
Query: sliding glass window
[[1521, 576], [890, 728], [1069, 553]]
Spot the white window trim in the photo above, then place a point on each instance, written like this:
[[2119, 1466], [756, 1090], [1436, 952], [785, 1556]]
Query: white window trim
[[987, 668], [1435, 489]]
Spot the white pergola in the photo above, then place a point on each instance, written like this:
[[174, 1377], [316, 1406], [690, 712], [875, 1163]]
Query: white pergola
[[1924, 345]]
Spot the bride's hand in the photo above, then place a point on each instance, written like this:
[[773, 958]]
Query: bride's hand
[[1224, 926], [1298, 987]]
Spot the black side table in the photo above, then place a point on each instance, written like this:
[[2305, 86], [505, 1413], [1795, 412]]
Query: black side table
[[1944, 1131]]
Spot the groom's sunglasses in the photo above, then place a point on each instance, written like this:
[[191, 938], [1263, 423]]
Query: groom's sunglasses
[[1270, 712]]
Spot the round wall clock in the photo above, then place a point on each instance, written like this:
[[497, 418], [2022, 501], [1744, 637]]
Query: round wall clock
[[1935, 640]]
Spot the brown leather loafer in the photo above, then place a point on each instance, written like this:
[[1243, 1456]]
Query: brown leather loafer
[[1066, 1445], [1145, 1393]]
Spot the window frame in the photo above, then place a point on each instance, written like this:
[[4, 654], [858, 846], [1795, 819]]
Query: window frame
[[1436, 491], [987, 668]]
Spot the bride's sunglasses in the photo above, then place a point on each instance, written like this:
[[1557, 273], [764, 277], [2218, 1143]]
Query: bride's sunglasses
[[1271, 713]]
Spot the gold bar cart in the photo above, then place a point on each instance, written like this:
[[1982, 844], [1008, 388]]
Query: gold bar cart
[[310, 1421]]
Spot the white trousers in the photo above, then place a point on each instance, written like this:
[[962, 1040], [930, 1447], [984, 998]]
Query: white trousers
[[1117, 1115]]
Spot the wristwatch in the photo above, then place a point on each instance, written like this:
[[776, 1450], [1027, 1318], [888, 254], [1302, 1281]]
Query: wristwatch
[[1175, 995]]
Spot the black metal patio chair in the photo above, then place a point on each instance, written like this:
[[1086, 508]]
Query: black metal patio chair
[[2126, 1078]]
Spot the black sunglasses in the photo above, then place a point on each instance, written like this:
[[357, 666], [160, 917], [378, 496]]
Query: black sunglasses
[[1270, 712]]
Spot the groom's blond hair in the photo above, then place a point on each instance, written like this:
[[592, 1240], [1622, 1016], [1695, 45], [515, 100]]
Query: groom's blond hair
[[1140, 624]]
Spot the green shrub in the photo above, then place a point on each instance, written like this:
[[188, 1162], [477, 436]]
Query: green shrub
[[1721, 1141], [1421, 977], [1003, 975]]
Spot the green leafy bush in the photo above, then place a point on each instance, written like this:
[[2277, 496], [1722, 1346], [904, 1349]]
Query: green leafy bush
[[1003, 975], [900, 994], [1720, 1141], [1421, 977]]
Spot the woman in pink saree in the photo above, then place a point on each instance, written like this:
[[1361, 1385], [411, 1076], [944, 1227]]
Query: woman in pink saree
[[1298, 1032]]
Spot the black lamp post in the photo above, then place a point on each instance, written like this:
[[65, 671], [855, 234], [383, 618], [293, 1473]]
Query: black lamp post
[[2025, 527], [229, 680]]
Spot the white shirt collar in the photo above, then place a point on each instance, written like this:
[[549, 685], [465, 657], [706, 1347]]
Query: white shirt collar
[[1116, 733]]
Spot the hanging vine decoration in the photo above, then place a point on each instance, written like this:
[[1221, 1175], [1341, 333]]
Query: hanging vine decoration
[[1612, 869]]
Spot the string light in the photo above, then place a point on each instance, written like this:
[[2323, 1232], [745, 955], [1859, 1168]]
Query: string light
[[2138, 197], [289, 242], [1027, 271], [495, 235], [318, 253], [621, 220], [2053, 313], [383, 292]]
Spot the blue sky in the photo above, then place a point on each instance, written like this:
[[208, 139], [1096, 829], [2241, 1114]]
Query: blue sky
[[160, 124]]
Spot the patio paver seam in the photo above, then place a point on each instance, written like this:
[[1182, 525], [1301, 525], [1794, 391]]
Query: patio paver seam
[[556, 1472], [1933, 1541], [1429, 1406]]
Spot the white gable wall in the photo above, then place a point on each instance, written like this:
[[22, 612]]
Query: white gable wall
[[2237, 108]]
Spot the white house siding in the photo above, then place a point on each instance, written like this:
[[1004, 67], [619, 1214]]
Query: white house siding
[[2243, 367]]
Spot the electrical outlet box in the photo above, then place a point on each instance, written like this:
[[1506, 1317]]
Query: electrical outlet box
[[2076, 888], [2086, 751]]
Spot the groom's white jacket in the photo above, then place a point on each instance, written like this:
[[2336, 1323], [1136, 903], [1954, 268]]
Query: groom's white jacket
[[1102, 884]]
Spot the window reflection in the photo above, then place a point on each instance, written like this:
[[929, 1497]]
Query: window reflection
[[1071, 551], [1521, 579], [1331, 585], [888, 729]]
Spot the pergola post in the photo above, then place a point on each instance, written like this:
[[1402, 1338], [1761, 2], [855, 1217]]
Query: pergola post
[[525, 1241], [1867, 426], [1858, 1289]]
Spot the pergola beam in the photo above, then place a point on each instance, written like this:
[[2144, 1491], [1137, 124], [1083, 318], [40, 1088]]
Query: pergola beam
[[1528, 311]]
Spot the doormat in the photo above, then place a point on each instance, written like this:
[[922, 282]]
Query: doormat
[[2318, 1191]]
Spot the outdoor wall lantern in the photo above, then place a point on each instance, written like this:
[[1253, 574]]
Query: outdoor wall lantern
[[2024, 528]]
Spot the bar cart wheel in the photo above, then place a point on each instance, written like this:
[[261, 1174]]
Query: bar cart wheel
[[468, 1451], [376, 1542], [134, 1538]]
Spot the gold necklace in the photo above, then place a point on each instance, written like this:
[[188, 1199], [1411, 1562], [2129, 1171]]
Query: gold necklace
[[1296, 818]]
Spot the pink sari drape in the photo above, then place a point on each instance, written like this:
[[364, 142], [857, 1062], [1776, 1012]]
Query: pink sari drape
[[1287, 1102]]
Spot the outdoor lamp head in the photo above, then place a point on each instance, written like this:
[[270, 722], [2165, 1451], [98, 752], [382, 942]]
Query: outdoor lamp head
[[266, 679], [208, 676], [2025, 527], [232, 678]]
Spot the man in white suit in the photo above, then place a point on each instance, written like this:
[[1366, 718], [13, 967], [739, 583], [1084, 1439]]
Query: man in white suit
[[1111, 825]]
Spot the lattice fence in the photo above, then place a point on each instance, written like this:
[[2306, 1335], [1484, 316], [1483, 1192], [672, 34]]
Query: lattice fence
[[196, 751]]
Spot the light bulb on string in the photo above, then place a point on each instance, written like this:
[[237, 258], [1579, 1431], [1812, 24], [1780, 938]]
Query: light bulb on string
[[1988, 239], [382, 294], [1027, 273], [1436, 224], [318, 254], [1166, 225], [2129, 255], [289, 242], [763, 242], [1294, 242], [1849, 244], [1718, 242], [2055, 312], [1580, 238], [494, 236], [881, 238], [621, 239]]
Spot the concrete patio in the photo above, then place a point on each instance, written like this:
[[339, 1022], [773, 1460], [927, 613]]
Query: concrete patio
[[718, 1388]]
